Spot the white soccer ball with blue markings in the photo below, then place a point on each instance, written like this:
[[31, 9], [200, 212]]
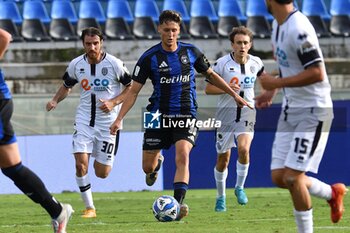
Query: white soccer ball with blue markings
[[166, 208]]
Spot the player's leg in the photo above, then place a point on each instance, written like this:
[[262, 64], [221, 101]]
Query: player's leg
[[182, 174], [151, 163], [225, 140], [242, 166], [82, 148], [184, 139], [105, 148], [220, 175], [292, 179], [296, 182], [153, 142], [25, 179], [83, 181], [335, 193]]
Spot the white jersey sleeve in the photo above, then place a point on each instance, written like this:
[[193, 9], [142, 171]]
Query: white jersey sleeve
[[296, 47]]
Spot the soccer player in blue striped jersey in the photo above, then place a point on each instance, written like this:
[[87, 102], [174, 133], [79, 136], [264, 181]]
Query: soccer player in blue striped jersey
[[10, 160], [171, 65]]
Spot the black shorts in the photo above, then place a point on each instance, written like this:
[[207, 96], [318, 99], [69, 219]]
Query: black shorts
[[7, 134], [157, 139]]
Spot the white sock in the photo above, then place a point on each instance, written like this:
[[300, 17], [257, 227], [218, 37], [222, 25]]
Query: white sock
[[320, 189], [85, 190], [304, 221], [242, 173], [220, 178]]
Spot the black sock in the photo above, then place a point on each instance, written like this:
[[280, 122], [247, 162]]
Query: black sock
[[32, 186], [180, 189]]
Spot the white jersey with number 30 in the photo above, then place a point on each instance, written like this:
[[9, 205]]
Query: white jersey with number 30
[[296, 47]]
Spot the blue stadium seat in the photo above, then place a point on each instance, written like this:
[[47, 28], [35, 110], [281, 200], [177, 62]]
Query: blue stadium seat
[[258, 8], [92, 9], [204, 8], [147, 8], [316, 7], [34, 30], [317, 13], [36, 9], [179, 6], [120, 9], [340, 18], [10, 27], [231, 8], [61, 29], [9, 10], [340, 7], [202, 27], [64, 9]]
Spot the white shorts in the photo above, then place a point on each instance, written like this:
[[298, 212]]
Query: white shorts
[[228, 133], [99, 143], [301, 140]]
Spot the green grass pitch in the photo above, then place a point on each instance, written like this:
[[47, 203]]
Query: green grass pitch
[[269, 210]]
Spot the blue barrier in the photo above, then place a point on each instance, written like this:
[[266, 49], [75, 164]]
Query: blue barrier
[[334, 166]]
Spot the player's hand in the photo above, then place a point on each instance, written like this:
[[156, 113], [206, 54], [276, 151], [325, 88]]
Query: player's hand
[[269, 82], [264, 100], [113, 129], [51, 105], [242, 102], [106, 105]]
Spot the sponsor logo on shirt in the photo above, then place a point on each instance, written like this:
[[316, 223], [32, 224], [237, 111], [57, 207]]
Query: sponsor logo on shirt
[[175, 79]]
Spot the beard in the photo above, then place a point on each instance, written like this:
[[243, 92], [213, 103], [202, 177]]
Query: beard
[[268, 6]]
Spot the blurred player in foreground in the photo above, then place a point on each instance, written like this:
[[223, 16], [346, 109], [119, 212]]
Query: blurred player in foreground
[[171, 67], [100, 77], [10, 161], [306, 117], [240, 70]]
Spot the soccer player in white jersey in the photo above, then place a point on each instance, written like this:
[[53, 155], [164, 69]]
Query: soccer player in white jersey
[[240, 70], [306, 115], [101, 78]]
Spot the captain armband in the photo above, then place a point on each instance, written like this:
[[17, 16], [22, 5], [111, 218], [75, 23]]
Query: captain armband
[[208, 76]]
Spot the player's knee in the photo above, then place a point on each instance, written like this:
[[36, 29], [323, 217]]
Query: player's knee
[[289, 180], [147, 167], [81, 169], [181, 161], [222, 163], [243, 152], [102, 174], [278, 181]]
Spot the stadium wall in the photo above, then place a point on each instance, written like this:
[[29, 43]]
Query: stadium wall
[[50, 157]]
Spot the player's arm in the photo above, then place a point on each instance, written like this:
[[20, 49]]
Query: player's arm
[[210, 89], [60, 95], [129, 101], [5, 39], [312, 74], [108, 105], [216, 80]]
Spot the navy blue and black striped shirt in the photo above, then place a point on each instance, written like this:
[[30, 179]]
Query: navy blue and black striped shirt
[[173, 77], [4, 90]]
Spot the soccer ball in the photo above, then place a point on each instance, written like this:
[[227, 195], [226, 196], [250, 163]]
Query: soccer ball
[[166, 208]]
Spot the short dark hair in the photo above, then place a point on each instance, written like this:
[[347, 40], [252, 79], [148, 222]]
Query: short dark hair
[[240, 30], [284, 1], [91, 31], [170, 15]]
